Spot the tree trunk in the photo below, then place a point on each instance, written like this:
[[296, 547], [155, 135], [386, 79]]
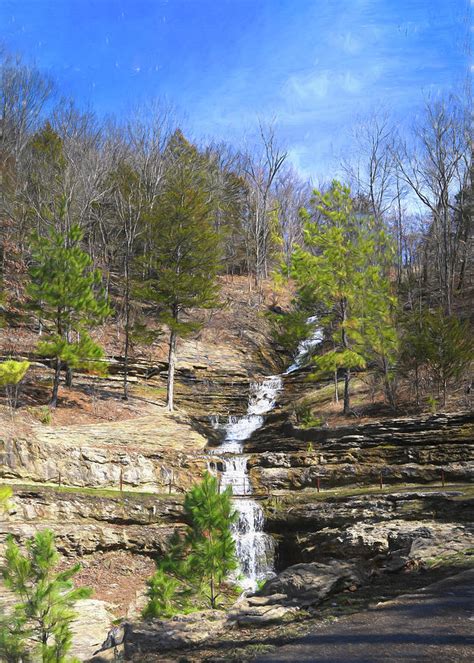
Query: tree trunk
[[345, 345], [171, 367], [125, 363], [57, 375], [213, 596], [68, 380], [388, 385], [417, 385], [127, 329], [347, 379], [336, 385]]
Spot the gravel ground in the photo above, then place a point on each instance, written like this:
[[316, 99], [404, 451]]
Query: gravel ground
[[434, 624]]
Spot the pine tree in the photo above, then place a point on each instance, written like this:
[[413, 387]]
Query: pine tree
[[414, 346], [182, 260], [65, 291], [451, 348], [13, 648], [339, 268], [212, 548], [197, 565], [45, 609], [378, 339]]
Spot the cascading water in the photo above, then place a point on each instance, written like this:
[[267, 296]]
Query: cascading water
[[255, 549], [306, 347]]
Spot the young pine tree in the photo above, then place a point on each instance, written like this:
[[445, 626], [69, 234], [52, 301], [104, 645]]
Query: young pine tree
[[183, 254], [66, 292], [451, 349], [46, 599], [337, 268], [212, 548], [197, 565]]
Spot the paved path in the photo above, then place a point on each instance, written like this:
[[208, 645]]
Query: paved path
[[435, 625]]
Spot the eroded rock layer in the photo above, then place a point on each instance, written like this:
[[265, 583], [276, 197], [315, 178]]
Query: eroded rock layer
[[406, 450]]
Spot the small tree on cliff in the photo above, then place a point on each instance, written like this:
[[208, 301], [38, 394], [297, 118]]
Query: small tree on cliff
[[198, 564], [11, 374], [5, 494], [182, 260], [46, 596], [338, 269], [65, 290]]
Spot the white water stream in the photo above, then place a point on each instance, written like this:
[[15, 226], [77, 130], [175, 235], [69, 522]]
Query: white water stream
[[306, 347], [255, 549]]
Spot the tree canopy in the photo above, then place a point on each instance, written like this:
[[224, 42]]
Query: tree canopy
[[338, 270]]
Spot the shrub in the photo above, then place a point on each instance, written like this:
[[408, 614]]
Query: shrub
[[11, 374]]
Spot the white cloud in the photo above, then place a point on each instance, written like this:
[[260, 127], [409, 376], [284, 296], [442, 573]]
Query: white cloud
[[307, 86], [351, 83], [347, 42], [297, 155], [329, 85]]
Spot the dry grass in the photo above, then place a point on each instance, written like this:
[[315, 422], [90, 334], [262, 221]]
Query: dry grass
[[115, 577], [231, 338], [368, 402]]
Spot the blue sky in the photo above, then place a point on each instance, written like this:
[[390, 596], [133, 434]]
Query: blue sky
[[314, 65]]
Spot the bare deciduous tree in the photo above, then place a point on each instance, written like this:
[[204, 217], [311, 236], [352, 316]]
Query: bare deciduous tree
[[261, 171], [436, 168]]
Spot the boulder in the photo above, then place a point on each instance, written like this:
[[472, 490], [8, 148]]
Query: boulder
[[309, 584], [90, 627], [245, 614], [156, 635]]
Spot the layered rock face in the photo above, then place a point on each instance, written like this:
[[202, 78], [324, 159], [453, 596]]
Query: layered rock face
[[89, 523], [385, 529], [408, 450], [325, 541], [380, 532], [147, 454]]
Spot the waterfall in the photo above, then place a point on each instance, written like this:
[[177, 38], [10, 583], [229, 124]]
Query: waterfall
[[255, 549], [306, 346]]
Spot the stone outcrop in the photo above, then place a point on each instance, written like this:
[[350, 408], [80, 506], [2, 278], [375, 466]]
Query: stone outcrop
[[90, 627], [375, 529], [186, 631], [86, 523], [145, 454], [257, 613], [405, 450], [182, 631], [309, 584]]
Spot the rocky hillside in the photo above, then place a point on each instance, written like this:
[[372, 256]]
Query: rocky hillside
[[350, 504]]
